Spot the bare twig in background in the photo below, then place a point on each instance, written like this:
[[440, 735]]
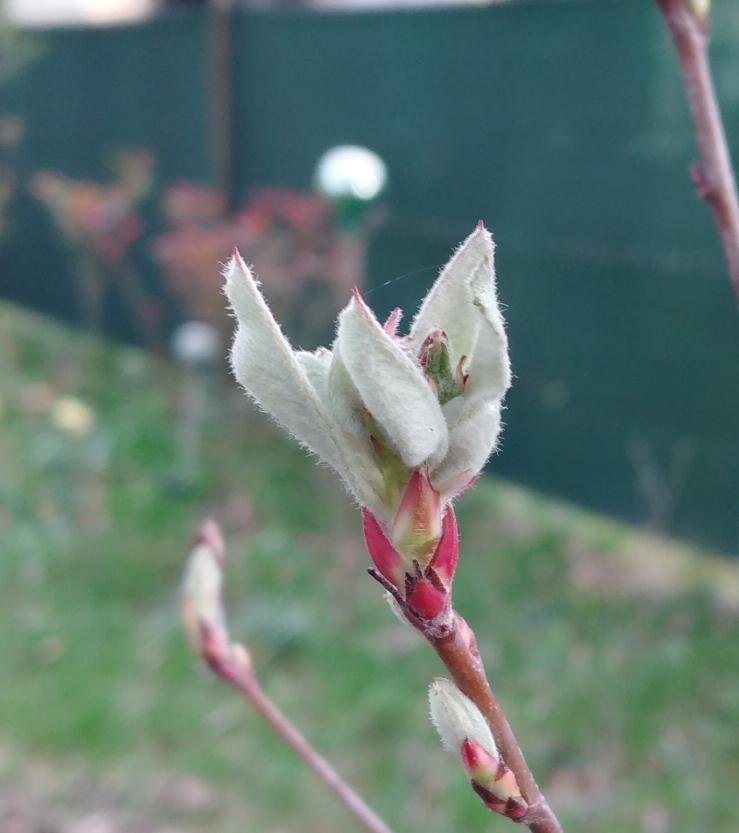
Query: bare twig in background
[[713, 176], [660, 487], [204, 620]]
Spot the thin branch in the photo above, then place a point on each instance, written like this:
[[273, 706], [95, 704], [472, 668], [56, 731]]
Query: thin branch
[[244, 680], [466, 668], [713, 176], [454, 642], [204, 619]]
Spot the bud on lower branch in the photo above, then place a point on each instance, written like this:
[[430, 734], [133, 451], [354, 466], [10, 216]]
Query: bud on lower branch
[[201, 606], [492, 780], [200, 596], [464, 731]]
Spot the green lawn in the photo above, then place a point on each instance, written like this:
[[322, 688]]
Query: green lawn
[[616, 656]]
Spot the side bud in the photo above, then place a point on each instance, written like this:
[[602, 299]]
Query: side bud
[[492, 781], [447, 381], [416, 529], [465, 732], [423, 586], [200, 597]]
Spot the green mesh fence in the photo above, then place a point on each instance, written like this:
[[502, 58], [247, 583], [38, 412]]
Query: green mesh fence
[[562, 124]]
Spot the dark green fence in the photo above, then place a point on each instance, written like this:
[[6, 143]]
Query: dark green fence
[[562, 124]]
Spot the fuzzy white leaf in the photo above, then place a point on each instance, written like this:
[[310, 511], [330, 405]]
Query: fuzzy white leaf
[[449, 302], [265, 365], [345, 408], [471, 442], [316, 367], [456, 718], [392, 386], [489, 367]]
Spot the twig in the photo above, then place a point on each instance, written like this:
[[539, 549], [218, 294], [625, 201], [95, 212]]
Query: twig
[[203, 616], [454, 642], [468, 673], [713, 176], [245, 681]]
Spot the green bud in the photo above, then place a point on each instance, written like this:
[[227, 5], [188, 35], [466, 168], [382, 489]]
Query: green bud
[[437, 365]]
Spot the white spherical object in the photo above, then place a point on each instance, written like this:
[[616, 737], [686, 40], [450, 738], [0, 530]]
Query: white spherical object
[[196, 343], [350, 171]]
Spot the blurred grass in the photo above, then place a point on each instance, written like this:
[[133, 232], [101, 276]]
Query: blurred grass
[[615, 655]]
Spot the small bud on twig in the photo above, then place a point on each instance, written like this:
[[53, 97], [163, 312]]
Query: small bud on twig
[[464, 731], [200, 598]]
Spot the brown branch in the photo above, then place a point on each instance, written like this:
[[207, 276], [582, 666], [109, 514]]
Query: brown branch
[[243, 678], [468, 673], [713, 177], [457, 649]]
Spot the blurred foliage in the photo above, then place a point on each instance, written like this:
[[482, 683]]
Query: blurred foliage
[[309, 264], [98, 223], [617, 672]]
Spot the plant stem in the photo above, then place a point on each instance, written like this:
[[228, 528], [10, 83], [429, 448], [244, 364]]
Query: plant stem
[[468, 673], [459, 654], [245, 681], [713, 176]]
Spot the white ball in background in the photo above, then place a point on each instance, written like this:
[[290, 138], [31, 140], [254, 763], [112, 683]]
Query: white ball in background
[[196, 344], [350, 171]]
